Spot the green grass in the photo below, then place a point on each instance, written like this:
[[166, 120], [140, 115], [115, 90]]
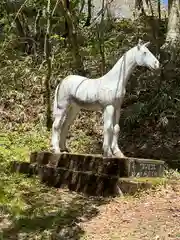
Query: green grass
[[17, 145], [29, 209], [155, 181]]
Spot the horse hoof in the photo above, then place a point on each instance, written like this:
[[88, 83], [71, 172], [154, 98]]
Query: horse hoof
[[51, 149], [65, 150], [109, 155], [119, 154], [55, 151]]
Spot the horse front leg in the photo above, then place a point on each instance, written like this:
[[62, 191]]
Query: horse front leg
[[115, 147], [108, 130]]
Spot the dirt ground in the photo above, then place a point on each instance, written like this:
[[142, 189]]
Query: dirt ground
[[152, 215]]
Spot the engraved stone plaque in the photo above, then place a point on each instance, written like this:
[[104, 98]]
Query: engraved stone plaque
[[146, 168]]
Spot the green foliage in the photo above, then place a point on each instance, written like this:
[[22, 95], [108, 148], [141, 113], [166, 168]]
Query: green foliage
[[29, 209], [22, 78], [13, 188], [18, 144]]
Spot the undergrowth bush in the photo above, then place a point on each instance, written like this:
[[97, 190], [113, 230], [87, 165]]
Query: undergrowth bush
[[149, 123]]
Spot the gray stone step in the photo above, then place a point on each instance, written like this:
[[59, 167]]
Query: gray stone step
[[85, 182], [89, 174], [121, 167]]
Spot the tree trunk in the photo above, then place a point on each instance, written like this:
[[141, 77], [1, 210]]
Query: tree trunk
[[22, 34], [73, 38], [67, 5], [88, 20], [159, 10], [36, 32], [82, 6], [47, 53], [101, 40], [173, 29], [19, 28]]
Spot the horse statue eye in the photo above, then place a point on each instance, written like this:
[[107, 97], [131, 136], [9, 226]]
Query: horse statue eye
[[145, 53]]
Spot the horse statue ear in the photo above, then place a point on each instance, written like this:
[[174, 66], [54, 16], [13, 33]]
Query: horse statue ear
[[140, 43], [146, 44]]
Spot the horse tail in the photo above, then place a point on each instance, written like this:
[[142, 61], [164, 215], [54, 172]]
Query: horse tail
[[55, 104]]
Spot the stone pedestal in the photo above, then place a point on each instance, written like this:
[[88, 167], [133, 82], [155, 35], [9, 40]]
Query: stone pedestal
[[90, 174]]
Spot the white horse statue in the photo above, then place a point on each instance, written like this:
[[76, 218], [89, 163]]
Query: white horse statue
[[106, 93]]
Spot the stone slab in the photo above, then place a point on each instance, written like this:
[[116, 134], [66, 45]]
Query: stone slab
[[145, 168], [122, 167], [82, 162], [86, 182]]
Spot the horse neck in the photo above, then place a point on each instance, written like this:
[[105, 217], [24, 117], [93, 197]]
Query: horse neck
[[123, 68]]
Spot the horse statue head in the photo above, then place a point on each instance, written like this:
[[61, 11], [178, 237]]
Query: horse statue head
[[144, 57]]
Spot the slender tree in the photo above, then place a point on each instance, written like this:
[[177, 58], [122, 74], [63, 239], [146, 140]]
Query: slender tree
[[173, 28], [72, 37], [47, 53], [88, 20], [101, 30]]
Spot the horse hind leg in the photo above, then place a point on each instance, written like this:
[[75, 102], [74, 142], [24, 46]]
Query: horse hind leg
[[108, 130], [70, 117], [115, 147], [59, 118]]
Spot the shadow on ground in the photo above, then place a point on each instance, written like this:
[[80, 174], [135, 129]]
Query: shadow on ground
[[54, 215]]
